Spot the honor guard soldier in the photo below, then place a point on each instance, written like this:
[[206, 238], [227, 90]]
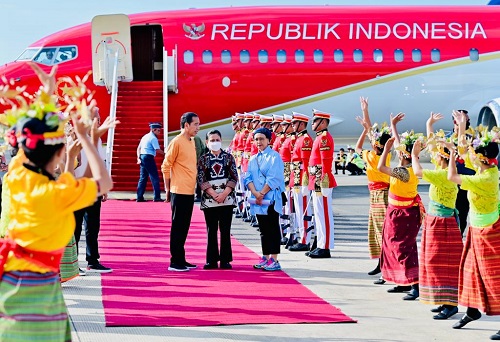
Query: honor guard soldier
[[242, 159], [255, 125], [236, 150], [266, 122], [235, 125], [322, 182], [278, 130], [247, 141], [299, 179], [286, 155]]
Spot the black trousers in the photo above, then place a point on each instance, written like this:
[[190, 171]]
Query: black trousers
[[270, 232], [219, 218], [92, 216], [462, 205], [182, 211], [353, 168]]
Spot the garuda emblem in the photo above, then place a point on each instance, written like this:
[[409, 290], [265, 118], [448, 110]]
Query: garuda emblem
[[194, 32]]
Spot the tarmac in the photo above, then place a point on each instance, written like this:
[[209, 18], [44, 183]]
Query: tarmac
[[341, 280]]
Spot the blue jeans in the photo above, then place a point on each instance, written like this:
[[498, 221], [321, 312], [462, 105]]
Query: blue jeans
[[148, 168]]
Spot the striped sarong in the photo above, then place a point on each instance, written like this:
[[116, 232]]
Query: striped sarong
[[376, 216], [479, 285], [69, 261], [32, 308], [440, 252], [399, 258]]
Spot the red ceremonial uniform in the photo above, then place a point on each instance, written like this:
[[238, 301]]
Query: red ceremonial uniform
[[300, 159], [321, 162], [240, 147], [286, 155], [279, 141], [247, 150], [234, 143]]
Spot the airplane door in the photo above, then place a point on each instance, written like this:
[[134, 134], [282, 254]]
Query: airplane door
[[147, 52]]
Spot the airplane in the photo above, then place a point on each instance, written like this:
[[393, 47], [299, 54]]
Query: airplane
[[275, 60]]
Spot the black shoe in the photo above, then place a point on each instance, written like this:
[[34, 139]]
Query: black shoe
[[380, 281], [157, 200], [237, 215], [464, 321], [299, 247], [311, 251], [284, 241], [495, 337], [412, 295], [197, 199], [375, 271], [320, 253], [188, 265], [225, 266], [446, 313], [399, 289], [98, 268], [210, 266], [140, 200], [438, 309], [177, 268]]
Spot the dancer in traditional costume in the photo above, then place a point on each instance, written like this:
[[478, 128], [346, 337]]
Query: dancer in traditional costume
[[41, 217], [399, 259], [479, 288], [378, 182], [441, 245]]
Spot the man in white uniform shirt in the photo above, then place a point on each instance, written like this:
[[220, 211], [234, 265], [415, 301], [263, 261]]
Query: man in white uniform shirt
[[146, 153]]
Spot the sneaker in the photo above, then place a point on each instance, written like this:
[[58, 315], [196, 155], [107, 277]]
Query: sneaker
[[188, 265], [157, 200], [262, 263], [81, 272], [177, 268], [273, 265], [98, 268]]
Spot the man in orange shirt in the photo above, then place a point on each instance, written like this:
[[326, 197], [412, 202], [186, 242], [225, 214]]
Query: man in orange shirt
[[179, 173]]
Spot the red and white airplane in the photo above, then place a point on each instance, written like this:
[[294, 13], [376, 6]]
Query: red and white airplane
[[282, 59]]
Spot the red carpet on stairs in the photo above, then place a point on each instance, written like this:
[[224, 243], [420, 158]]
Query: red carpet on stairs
[[134, 241]]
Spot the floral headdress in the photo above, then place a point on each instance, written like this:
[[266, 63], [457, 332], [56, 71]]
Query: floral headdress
[[44, 107], [377, 132], [482, 136], [408, 139], [436, 144]]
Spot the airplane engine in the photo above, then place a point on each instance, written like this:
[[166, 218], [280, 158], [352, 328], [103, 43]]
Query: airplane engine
[[489, 115]]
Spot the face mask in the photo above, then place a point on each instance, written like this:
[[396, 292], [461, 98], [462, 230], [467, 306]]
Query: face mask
[[214, 145]]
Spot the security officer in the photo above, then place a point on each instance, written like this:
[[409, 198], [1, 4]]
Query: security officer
[[300, 179], [146, 153], [322, 182]]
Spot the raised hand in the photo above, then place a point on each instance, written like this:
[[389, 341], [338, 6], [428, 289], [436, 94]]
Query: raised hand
[[364, 103], [389, 143], [397, 118], [48, 80], [417, 148], [73, 148], [98, 131], [434, 117], [363, 123]]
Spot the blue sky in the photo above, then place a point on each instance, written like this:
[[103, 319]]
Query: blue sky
[[23, 22]]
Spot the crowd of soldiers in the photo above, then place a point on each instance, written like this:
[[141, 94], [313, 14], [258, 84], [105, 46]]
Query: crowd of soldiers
[[307, 217]]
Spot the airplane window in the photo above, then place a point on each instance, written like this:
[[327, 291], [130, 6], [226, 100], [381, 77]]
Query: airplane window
[[435, 55], [188, 57], [338, 56], [416, 55], [378, 56], [263, 57], [46, 56], [357, 55], [399, 55], [244, 56], [207, 57], [474, 55], [281, 56], [318, 56], [28, 54], [299, 56], [225, 56], [65, 53]]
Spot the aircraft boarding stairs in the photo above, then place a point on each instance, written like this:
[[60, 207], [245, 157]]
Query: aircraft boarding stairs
[[139, 103]]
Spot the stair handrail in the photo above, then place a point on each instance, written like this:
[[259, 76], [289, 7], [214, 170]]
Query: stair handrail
[[112, 114]]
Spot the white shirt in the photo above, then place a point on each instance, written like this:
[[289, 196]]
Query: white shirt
[[80, 170]]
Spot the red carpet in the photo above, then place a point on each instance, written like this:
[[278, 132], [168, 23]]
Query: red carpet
[[134, 241]]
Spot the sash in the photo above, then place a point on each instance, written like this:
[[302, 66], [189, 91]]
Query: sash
[[50, 260], [377, 185], [479, 220], [437, 209], [407, 202]]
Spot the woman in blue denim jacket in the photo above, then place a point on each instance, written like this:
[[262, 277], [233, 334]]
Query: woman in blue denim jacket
[[265, 180]]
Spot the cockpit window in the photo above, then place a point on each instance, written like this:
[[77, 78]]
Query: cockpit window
[[50, 55]]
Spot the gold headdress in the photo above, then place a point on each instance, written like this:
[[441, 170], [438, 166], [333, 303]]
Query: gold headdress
[[482, 136], [436, 144], [377, 132]]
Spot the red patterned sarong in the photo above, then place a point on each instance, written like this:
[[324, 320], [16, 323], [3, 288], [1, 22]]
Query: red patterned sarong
[[399, 258], [480, 270], [440, 252]]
